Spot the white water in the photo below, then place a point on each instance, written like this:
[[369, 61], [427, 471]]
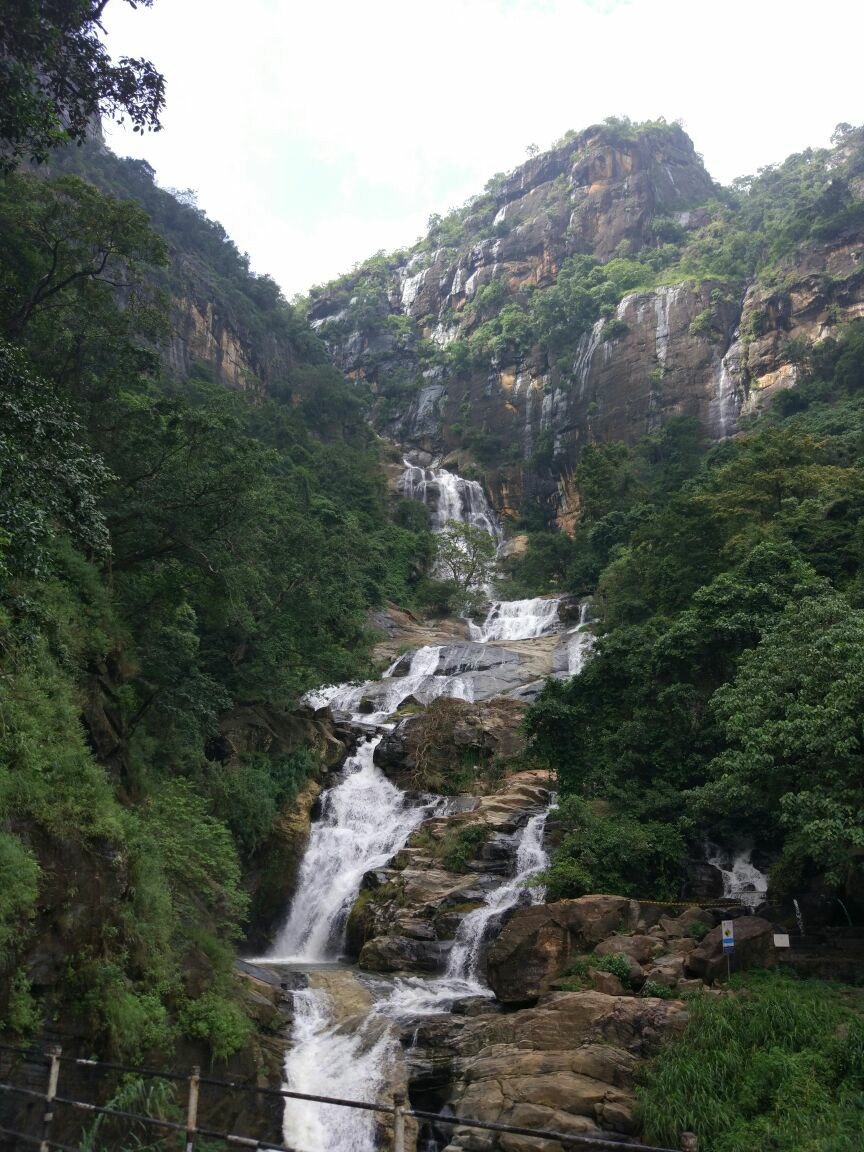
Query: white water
[[415, 997], [742, 880], [517, 620], [324, 1061], [580, 641], [449, 497], [364, 822], [388, 693]]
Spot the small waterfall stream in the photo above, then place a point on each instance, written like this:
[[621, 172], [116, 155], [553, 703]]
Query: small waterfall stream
[[742, 880], [416, 997], [517, 620]]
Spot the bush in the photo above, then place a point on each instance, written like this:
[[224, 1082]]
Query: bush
[[219, 1022], [462, 848], [617, 854], [659, 991], [19, 887]]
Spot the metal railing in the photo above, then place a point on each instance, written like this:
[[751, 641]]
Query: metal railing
[[53, 1058]]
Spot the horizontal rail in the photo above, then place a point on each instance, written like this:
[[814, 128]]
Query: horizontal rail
[[573, 1141], [561, 1137], [36, 1140]]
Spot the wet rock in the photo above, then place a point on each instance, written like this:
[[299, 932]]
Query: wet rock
[[403, 954], [754, 948], [702, 881]]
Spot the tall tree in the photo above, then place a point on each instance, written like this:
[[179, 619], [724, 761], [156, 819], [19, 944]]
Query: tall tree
[[56, 77]]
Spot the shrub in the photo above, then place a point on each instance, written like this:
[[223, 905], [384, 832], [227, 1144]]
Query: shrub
[[463, 847], [659, 991], [19, 886], [219, 1022]]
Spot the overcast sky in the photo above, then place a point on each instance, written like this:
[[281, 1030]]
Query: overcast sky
[[319, 131]]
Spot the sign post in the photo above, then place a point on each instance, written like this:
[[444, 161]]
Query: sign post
[[727, 931]]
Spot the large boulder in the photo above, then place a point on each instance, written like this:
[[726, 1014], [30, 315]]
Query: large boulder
[[567, 1065], [536, 944], [754, 948]]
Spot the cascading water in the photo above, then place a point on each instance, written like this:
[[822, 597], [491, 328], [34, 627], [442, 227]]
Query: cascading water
[[742, 880], [384, 697], [517, 620], [364, 822], [415, 997], [450, 497], [580, 641], [323, 1056]]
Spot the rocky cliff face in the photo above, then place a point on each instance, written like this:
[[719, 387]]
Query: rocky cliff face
[[478, 343]]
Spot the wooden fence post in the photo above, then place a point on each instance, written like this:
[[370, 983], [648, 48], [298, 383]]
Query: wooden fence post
[[398, 1122], [53, 1076], [192, 1108]]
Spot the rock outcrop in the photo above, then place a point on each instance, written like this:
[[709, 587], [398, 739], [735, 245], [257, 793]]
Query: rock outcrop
[[439, 332], [567, 1066], [407, 914]]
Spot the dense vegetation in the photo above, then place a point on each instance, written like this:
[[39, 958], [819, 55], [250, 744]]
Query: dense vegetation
[[175, 555], [780, 1065], [725, 694]]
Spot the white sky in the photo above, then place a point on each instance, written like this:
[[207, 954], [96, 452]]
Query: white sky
[[319, 131]]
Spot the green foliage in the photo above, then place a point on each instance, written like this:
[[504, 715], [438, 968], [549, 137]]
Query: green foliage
[[198, 854], [777, 1065], [723, 697], [51, 481], [602, 853], [462, 847], [144, 1097], [658, 991], [219, 1022], [465, 558], [173, 556], [19, 886], [58, 76]]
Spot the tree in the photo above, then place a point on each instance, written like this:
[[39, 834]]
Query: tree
[[792, 717], [466, 558], [56, 77]]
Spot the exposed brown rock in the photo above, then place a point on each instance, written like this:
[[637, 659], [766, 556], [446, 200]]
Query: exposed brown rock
[[754, 948], [566, 1065], [536, 943]]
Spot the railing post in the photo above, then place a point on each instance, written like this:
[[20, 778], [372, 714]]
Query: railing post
[[689, 1142], [53, 1076], [192, 1108], [398, 1122]]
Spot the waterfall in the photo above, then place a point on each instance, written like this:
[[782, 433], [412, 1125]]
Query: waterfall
[[517, 620], [742, 880], [580, 641], [373, 701], [412, 996], [364, 822], [449, 497], [325, 1061]]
